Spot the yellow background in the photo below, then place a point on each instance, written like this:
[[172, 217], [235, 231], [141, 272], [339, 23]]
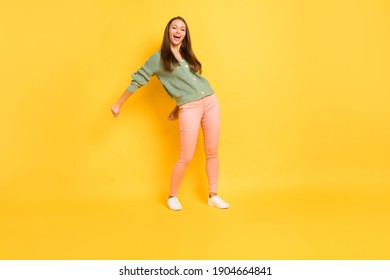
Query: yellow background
[[304, 90]]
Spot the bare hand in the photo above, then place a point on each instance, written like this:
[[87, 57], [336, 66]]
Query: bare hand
[[173, 115], [115, 110]]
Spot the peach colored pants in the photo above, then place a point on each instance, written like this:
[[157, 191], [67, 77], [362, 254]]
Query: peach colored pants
[[205, 112]]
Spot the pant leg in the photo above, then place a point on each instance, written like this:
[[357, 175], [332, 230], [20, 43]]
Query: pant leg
[[211, 131], [189, 123]]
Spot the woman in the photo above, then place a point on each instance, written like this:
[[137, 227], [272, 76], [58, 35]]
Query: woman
[[178, 69]]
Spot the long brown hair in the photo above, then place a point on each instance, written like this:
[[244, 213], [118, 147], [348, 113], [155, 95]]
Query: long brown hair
[[169, 61]]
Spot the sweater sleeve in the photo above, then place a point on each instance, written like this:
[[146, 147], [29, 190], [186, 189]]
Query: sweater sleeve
[[145, 73]]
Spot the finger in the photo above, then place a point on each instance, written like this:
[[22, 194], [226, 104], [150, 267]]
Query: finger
[[115, 113]]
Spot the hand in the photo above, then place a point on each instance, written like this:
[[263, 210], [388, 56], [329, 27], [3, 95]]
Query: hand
[[174, 114], [115, 110]]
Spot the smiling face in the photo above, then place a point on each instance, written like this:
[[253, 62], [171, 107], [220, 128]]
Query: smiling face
[[177, 32]]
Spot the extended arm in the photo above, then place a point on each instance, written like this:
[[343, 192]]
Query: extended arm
[[116, 108], [140, 78]]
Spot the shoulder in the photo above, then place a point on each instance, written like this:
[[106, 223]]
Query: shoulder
[[153, 62], [154, 59], [155, 56]]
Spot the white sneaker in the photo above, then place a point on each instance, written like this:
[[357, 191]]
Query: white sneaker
[[218, 202], [174, 203]]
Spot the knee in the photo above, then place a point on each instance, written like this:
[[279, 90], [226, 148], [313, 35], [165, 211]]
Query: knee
[[185, 159], [211, 151]]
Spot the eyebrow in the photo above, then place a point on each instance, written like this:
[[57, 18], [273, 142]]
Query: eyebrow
[[178, 26]]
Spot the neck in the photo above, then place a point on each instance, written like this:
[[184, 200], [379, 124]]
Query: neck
[[175, 49]]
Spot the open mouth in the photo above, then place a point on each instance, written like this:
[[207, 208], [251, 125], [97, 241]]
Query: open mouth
[[177, 37]]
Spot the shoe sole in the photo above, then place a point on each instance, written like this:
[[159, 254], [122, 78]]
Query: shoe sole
[[213, 205], [174, 209]]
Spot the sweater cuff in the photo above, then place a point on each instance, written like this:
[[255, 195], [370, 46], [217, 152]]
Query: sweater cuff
[[132, 88]]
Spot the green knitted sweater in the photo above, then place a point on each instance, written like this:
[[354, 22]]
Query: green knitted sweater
[[181, 84]]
